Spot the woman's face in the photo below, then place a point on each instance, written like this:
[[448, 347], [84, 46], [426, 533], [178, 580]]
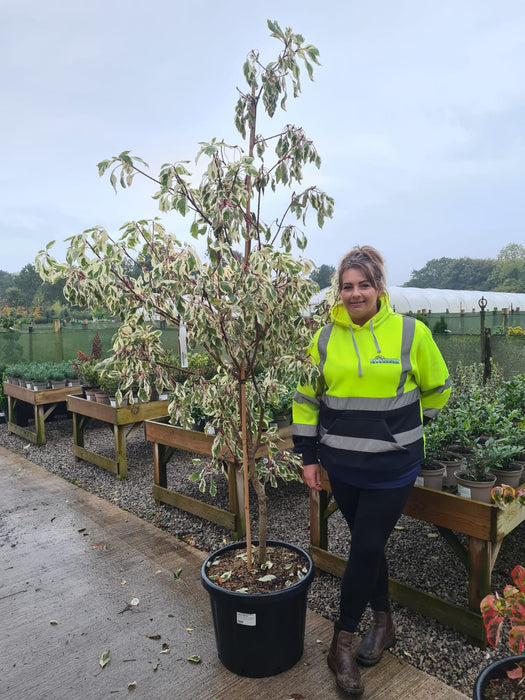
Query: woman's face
[[359, 297]]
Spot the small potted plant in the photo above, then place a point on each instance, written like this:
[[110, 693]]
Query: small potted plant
[[507, 675], [40, 378], [57, 375], [506, 452], [90, 376], [475, 480]]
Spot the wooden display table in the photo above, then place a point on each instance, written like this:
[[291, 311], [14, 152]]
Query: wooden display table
[[44, 403], [125, 421], [484, 525], [166, 438]]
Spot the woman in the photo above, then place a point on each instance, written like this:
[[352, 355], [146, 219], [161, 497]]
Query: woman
[[381, 376]]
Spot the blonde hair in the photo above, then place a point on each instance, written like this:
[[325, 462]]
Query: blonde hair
[[364, 258]]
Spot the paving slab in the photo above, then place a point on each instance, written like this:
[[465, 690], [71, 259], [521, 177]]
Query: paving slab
[[72, 563]]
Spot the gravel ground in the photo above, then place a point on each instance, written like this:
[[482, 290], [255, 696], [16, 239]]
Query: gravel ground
[[416, 554]]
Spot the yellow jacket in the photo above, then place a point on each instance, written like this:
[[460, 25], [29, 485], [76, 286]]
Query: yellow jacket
[[364, 419]]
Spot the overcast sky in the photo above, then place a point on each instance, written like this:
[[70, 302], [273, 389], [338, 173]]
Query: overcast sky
[[418, 113]]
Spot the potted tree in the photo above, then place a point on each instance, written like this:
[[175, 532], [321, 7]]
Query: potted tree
[[242, 306], [505, 677]]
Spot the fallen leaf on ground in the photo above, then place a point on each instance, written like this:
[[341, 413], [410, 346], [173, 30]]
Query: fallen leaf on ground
[[104, 659]]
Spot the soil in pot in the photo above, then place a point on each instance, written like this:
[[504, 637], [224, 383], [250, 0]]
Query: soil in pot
[[229, 571], [494, 684]]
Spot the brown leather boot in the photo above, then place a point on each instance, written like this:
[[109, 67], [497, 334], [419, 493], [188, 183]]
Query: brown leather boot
[[380, 636], [342, 662]]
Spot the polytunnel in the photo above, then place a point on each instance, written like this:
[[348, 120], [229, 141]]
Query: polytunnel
[[420, 300]]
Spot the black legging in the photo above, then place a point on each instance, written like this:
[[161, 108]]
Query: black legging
[[371, 516]]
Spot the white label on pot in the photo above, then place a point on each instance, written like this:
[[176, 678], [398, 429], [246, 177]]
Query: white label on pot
[[248, 619], [464, 491], [445, 473], [420, 481]]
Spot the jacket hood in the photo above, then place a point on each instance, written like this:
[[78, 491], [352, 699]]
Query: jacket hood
[[341, 317]]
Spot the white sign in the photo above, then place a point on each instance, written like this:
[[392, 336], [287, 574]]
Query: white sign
[[248, 619]]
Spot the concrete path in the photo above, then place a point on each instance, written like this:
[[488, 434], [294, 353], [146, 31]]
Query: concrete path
[[71, 564]]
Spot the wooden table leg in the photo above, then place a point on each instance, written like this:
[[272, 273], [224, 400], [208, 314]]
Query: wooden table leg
[[11, 403], [479, 571], [236, 499], [78, 432], [120, 451], [39, 425]]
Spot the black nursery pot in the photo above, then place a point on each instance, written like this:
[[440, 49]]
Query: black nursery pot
[[259, 634], [494, 670]]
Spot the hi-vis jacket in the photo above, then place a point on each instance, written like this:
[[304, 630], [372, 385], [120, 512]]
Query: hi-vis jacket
[[364, 419]]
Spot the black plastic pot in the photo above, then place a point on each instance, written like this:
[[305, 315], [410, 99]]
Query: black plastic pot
[[494, 670], [259, 634]]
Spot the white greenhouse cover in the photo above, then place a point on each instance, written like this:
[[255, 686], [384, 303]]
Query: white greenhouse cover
[[416, 300]]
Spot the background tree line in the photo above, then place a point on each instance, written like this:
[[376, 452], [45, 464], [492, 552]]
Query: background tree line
[[506, 273], [25, 291]]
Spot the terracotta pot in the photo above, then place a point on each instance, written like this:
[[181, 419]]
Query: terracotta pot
[[451, 466], [475, 490], [432, 478], [510, 477], [102, 397]]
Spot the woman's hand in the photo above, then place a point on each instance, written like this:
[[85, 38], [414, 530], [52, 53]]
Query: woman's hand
[[312, 476]]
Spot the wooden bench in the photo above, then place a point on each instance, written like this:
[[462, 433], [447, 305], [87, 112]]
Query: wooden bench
[[125, 420], [44, 403], [167, 438]]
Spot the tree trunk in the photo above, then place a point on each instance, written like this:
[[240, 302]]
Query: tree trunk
[[263, 512]]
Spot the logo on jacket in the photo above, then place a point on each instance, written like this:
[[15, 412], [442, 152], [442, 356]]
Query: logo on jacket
[[381, 360]]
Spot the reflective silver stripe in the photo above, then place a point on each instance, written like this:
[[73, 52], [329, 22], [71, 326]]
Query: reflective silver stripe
[[363, 403], [438, 389], [409, 436], [304, 429], [409, 328], [304, 398], [360, 444], [322, 344], [357, 444], [430, 412]]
